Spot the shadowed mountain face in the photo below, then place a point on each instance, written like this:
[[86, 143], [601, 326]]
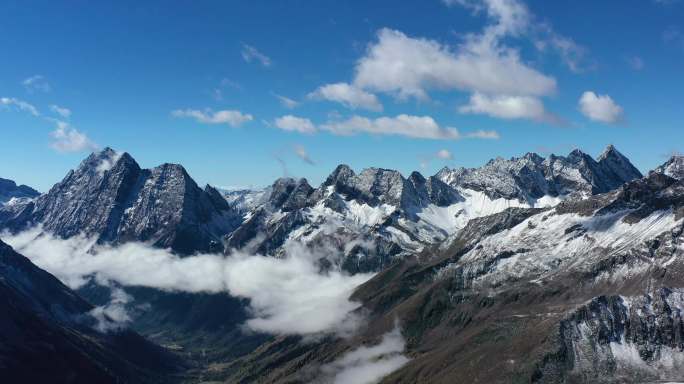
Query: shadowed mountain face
[[46, 334], [9, 190]]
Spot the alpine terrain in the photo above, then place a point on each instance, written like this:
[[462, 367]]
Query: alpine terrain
[[561, 269]]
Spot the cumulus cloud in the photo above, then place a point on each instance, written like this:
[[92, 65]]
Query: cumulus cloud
[[600, 108], [287, 295], [507, 107], [66, 138], [409, 67], [347, 95], [286, 101], [367, 365], [295, 124], [250, 53], [11, 102], [423, 127], [36, 83], [231, 117], [301, 152]]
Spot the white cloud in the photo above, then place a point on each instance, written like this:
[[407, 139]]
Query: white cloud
[[286, 101], [347, 95], [113, 316], [108, 163], [63, 112], [409, 67], [600, 108], [8, 102], [509, 16], [230, 117], [444, 154], [66, 138], [295, 124], [482, 134], [424, 127], [287, 295], [249, 54], [507, 107], [301, 152], [572, 54], [368, 365], [36, 83], [512, 17]]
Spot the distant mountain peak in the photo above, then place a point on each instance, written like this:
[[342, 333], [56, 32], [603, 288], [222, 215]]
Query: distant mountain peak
[[673, 167]]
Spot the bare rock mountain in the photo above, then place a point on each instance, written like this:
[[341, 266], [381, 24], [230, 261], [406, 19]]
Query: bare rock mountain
[[110, 197]]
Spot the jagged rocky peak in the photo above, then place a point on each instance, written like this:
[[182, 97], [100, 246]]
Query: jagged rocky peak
[[619, 165], [674, 167], [531, 177], [433, 190], [290, 194], [110, 197], [9, 190]]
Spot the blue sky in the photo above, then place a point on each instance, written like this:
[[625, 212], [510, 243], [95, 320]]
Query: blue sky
[[240, 92]]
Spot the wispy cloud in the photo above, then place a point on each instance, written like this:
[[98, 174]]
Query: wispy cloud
[[113, 316], [286, 101], [444, 154], [250, 54], [636, 63], [36, 83], [301, 152], [11, 102], [368, 364], [223, 85], [66, 138], [61, 111], [231, 117]]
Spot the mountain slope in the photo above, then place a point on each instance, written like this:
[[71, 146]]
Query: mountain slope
[[589, 291], [46, 334]]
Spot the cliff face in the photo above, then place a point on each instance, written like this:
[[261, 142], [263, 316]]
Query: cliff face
[[620, 338]]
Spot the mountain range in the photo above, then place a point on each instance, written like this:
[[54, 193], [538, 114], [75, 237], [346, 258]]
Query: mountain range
[[552, 270]]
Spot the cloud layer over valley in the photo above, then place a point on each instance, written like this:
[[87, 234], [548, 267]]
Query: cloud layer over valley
[[287, 295]]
